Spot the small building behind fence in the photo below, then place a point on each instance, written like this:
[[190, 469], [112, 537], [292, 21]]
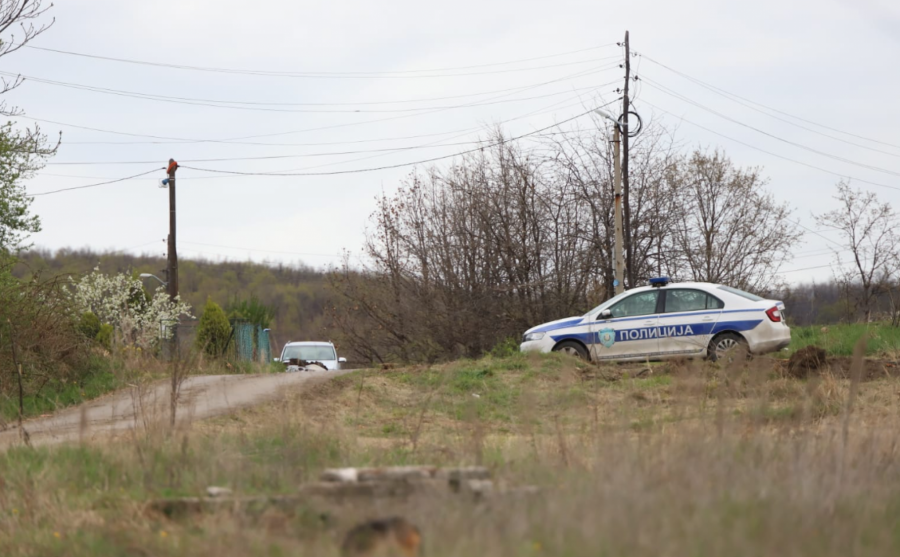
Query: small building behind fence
[[251, 342]]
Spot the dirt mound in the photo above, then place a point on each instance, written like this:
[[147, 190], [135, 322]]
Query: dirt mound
[[807, 360]]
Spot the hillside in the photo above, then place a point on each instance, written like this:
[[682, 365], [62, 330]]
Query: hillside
[[298, 295]]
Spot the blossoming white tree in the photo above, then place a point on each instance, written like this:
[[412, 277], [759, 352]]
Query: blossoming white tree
[[121, 301]]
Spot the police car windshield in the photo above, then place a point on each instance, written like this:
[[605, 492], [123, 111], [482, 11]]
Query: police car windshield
[[608, 303]]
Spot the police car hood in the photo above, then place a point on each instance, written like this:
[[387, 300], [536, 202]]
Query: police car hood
[[558, 324]]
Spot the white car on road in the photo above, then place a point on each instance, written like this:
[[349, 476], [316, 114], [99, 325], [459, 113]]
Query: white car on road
[[321, 352], [667, 320]]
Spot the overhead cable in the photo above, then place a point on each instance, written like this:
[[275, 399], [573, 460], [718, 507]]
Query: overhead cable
[[303, 155], [98, 184], [236, 140], [401, 165], [213, 104], [754, 147], [682, 98], [727, 94], [308, 74]]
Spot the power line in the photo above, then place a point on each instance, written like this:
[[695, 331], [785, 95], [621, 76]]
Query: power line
[[386, 167], [664, 89], [258, 144], [266, 107], [98, 184], [540, 111], [309, 74], [817, 233], [304, 155], [262, 103], [728, 94], [827, 251], [179, 141], [233, 174], [819, 168], [236, 140], [803, 269]]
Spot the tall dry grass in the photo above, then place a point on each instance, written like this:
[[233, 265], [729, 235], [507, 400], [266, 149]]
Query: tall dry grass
[[645, 461]]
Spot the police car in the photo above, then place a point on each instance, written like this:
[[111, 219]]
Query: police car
[[668, 320]]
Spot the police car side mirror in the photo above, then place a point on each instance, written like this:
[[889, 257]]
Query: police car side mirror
[[342, 360], [605, 314]]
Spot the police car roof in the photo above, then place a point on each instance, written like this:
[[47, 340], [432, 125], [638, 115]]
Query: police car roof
[[671, 284]]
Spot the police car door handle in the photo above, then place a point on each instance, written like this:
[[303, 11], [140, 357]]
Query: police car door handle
[[650, 322], [708, 318]]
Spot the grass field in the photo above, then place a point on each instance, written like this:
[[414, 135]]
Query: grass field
[[666, 460], [839, 340]]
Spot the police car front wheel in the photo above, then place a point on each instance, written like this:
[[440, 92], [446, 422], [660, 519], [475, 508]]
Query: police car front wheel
[[572, 348]]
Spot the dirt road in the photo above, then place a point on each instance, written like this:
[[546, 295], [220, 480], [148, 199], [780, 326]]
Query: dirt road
[[200, 397]]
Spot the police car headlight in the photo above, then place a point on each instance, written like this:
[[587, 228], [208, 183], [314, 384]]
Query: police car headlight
[[533, 336]]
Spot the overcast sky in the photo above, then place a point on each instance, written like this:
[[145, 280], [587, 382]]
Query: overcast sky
[[832, 62]]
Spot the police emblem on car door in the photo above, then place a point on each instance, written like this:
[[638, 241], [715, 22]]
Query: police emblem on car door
[[607, 337]]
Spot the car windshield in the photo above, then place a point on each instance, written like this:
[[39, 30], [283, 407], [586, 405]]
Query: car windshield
[[741, 293], [309, 353], [607, 303]]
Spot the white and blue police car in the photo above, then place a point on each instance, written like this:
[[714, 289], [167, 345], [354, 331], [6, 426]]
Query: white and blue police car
[[667, 320]]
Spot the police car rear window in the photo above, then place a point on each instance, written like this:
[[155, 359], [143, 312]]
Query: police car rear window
[[741, 293]]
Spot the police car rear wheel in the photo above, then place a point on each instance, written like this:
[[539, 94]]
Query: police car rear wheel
[[572, 349], [728, 347]]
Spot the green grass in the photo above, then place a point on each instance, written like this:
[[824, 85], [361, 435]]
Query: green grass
[[839, 340], [101, 377]]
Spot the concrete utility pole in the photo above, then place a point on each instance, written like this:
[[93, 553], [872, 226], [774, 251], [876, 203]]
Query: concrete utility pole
[[626, 106], [620, 256], [172, 270], [619, 246]]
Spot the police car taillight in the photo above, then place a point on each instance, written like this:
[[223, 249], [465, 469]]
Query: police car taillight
[[774, 314]]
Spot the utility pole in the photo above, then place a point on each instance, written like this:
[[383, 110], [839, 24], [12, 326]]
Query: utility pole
[[617, 172], [172, 271], [629, 252]]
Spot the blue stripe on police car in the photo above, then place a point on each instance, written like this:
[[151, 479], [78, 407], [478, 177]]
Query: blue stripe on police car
[[666, 331]]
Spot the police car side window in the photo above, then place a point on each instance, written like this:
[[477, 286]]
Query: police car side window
[[636, 305], [714, 303], [690, 300]]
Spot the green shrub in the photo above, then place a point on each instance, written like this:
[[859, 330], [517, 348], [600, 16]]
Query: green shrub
[[214, 329], [252, 311], [104, 336], [89, 325], [505, 348]]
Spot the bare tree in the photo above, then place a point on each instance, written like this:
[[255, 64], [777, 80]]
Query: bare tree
[[19, 24], [868, 230], [731, 230], [23, 152], [510, 237]]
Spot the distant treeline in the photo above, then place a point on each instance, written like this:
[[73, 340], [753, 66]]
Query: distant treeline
[[832, 301], [298, 295], [307, 304]]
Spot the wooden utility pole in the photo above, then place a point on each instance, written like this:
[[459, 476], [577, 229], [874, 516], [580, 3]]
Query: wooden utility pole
[[629, 252], [617, 176], [172, 270]]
